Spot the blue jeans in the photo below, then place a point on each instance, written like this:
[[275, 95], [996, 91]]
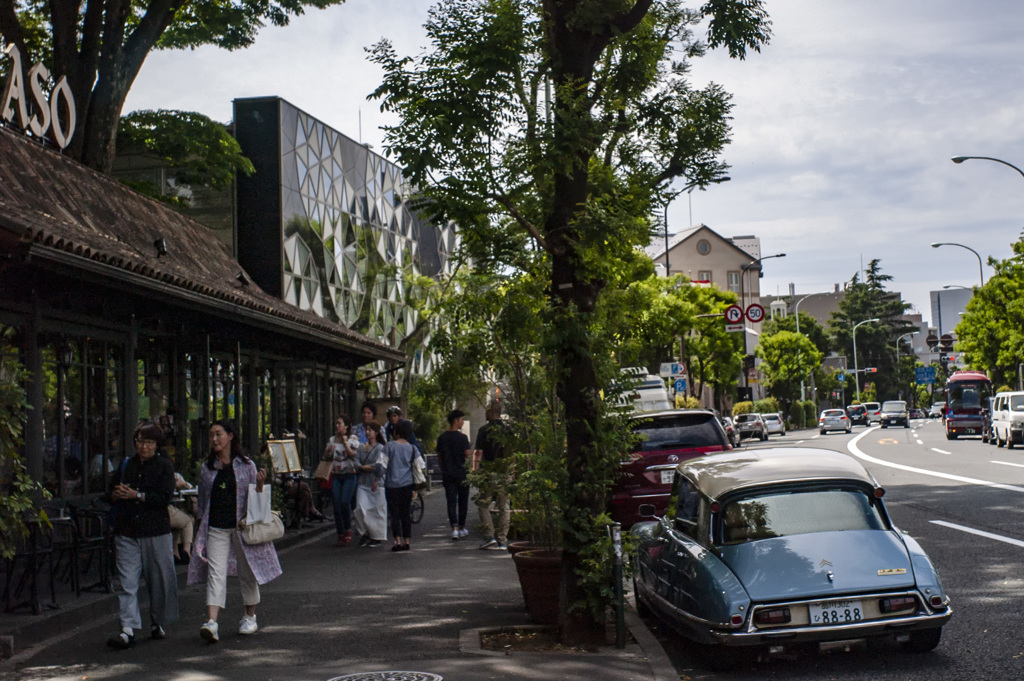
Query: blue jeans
[[343, 489]]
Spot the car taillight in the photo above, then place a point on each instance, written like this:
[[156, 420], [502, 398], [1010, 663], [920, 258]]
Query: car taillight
[[896, 604], [736, 620], [842, 418], [937, 602], [772, 616]]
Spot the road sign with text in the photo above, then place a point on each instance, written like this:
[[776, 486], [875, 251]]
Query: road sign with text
[[924, 375], [755, 313]]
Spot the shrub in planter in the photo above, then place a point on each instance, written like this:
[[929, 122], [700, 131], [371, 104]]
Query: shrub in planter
[[796, 415], [742, 408], [810, 412]]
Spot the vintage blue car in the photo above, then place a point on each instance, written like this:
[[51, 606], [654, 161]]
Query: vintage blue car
[[784, 547]]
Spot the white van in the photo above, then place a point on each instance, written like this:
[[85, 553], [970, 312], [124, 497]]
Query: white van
[[1008, 419], [643, 392]]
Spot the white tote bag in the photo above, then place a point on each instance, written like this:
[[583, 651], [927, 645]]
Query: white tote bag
[[258, 508]]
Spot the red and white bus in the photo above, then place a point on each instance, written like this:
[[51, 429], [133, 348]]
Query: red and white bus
[[967, 393]]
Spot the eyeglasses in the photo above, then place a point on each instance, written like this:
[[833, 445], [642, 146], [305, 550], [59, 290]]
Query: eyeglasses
[[147, 443]]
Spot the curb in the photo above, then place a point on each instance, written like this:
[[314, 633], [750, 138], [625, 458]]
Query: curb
[[90, 608]]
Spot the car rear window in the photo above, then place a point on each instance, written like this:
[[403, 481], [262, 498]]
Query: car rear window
[[743, 418], [832, 412], [770, 417], [679, 431], [781, 515]]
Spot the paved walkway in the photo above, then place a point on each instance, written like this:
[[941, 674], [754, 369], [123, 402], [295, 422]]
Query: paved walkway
[[349, 611]]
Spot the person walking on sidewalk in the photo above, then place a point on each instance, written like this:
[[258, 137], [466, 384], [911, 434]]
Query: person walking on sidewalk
[[343, 478], [452, 451], [394, 414], [219, 550], [371, 516], [399, 484], [142, 538], [489, 457], [369, 413]]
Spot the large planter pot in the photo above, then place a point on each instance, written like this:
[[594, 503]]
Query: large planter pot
[[515, 547], [540, 575]]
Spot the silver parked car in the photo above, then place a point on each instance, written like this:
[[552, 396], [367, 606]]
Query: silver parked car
[[774, 424], [834, 419], [784, 547], [751, 426]]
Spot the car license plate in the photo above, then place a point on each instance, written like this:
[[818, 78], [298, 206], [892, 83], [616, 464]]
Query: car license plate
[[835, 612], [970, 431], [667, 477]]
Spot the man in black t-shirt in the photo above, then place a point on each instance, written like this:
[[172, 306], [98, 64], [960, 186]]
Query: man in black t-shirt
[[452, 451], [489, 456]]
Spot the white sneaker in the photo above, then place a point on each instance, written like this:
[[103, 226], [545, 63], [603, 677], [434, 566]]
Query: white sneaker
[[455, 533], [247, 625], [209, 631], [463, 533]]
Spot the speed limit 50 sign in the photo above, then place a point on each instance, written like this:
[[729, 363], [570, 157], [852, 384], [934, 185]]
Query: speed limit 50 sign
[[755, 313]]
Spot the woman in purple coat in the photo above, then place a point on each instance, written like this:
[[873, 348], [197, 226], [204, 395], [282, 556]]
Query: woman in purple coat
[[223, 495]]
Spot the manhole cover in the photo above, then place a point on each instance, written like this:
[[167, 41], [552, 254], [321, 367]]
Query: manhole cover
[[389, 676]]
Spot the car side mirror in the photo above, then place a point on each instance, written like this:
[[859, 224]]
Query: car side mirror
[[647, 511]]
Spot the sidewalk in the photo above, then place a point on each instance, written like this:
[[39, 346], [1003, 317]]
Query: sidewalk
[[351, 611]]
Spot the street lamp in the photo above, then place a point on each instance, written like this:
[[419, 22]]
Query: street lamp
[[796, 312], [981, 272], [856, 368], [914, 333], [961, 159], [743, 294], [949, 286]]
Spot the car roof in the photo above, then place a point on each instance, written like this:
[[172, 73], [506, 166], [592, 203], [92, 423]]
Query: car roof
[[718, 474], [669, 412]]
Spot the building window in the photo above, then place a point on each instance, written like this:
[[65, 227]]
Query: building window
[[704, 275], [703, 246], [734, 282]]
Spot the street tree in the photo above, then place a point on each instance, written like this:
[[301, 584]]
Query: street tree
[[567, 119], [809, 327], [785, 357], [869, 299], [100, 46], [991, 332]]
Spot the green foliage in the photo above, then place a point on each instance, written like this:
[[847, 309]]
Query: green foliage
[[796, 415], [990, 334], [427, 413], [768, 405], [875, 341], [687, 402], [743, 408], [785, 357], [1004, 388], [553, 194], [19, 491], [810, 413], [197, 149], [809, 327]]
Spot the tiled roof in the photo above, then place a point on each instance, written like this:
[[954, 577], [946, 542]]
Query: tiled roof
[[57, 205]]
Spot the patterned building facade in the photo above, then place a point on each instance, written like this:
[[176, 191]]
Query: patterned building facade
[[325, 223]]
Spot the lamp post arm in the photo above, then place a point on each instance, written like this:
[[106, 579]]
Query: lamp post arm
[[961, 159]]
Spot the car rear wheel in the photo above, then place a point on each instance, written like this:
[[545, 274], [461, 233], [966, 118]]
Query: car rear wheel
[[922, 641], [822, 432], [724, 659]]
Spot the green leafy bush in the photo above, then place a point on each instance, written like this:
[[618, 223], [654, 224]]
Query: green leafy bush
[[796, 415], [742, 408], [768, 405], [810, 413]]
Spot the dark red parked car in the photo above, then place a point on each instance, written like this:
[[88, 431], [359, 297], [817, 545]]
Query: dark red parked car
[[668, 437]]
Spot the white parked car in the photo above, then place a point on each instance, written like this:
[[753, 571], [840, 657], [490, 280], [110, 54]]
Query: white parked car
[[834, 419], [774, 423]]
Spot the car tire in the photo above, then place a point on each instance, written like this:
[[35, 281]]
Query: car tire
[[884, 426], [822, 432], [950, 436], [1009, 442], [725, 659], [907, 424], [922, 641], [764, 436], [999, 440], [849, 430]]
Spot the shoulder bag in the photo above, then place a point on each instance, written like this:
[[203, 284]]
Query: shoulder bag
[[261, 525]]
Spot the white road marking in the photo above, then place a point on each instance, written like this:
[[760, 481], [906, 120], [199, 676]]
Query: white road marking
[[1007, 463], [939, 451], [980, 533], [920, 442], [852, 446], [800, 442], [815, 437]]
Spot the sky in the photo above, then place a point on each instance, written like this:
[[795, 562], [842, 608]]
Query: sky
[[843, 126]]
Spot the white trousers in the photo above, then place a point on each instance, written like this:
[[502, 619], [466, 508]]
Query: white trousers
[[219, 543]]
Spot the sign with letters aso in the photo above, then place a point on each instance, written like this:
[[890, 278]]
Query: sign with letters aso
[[42, 112]]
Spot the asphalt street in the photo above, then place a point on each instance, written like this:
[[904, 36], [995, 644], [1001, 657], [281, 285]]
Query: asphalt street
[[962, 500]]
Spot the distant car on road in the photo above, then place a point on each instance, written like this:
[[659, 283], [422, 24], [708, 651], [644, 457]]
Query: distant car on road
[[730, 430], [751, 425], [894, 413], [916, 413], [935, 411], [834, 419], [858, 415], [774, 424], [874, 412]]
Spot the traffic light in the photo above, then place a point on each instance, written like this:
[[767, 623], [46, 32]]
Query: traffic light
[[871, 370]]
